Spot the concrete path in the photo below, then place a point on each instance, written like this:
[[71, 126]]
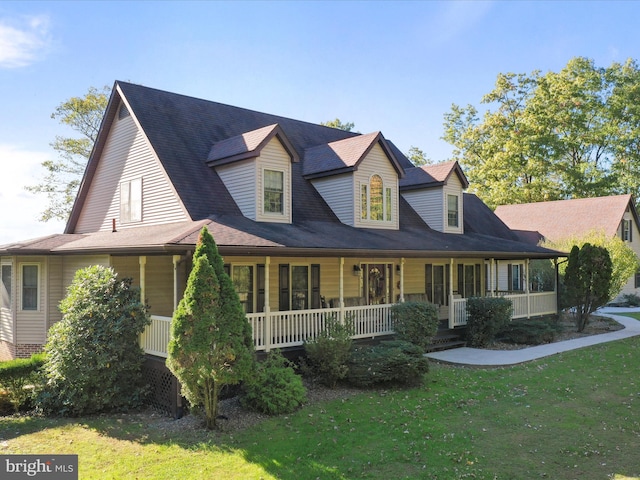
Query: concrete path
[[483, 357]]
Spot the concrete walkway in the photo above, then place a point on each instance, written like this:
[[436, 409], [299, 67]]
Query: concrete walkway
[[486, 358]]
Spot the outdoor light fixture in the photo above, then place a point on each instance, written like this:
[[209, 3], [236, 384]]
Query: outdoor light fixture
[[356, 270]]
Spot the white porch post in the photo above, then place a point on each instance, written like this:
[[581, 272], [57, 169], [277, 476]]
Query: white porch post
[[142, 260], [341, 287], [402, 280], [493, 274], [527, 289], [451, 307], [267, 305], [176, 261]]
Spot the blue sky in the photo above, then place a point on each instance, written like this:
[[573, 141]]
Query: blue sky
[[391, 66]]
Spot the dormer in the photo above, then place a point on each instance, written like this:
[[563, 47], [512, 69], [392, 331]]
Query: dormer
[[256, 169], [435, 193], [358, 178]]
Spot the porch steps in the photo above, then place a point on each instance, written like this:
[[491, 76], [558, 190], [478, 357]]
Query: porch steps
[[446, 341]]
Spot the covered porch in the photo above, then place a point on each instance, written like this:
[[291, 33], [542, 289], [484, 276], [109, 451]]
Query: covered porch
[[378, 285]]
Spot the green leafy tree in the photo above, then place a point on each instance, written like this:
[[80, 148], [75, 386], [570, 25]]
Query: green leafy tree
[[337, 123], [418, 157], [587, 281], [62, 176], [94, 360], [567, 134], [209, 334], [624, 261]]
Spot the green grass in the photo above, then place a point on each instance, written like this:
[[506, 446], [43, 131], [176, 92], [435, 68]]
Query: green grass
[[573, 415]]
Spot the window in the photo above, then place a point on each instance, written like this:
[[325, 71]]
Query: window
[[131, 201], [515, 277], [299, 287], [30, 287], [242, 277], [469, 280], [626, 230], [5, 297], [273, 191], [452, 211], [375, 200], [437, 284]]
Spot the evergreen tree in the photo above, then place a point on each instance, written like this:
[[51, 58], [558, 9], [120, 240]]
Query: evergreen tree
[[208, 347]]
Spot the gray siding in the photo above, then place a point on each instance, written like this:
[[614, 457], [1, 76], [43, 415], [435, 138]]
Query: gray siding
[[338, 191], [428, 203], [128, 156], [240, 180]]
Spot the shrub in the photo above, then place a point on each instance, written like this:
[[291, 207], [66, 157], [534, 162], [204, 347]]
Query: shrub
[[587, 280], [94, 361], [18, 376], [486, 316], [275, 387], [534, 331], [328, 353], [631, 300], [415, 322], [390, 362]]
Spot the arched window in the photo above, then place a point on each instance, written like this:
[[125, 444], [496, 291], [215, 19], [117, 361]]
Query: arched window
[[375, 200]]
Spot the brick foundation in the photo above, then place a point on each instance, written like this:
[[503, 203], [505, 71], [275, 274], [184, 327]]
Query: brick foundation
[[25, 350], [7, 350]]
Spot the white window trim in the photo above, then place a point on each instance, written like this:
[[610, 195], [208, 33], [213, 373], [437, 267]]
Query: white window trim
[[127, 212], [386, 207], [285, 193], [21, 286], [11, 291], [457, 197]]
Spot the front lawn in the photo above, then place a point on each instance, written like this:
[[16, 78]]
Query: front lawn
[[573, 415]]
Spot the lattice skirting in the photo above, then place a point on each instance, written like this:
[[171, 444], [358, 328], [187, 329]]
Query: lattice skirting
[[165, 391]]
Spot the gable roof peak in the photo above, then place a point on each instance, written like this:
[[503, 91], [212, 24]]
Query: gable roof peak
[[435, 175], [248, 145], [345, 155]]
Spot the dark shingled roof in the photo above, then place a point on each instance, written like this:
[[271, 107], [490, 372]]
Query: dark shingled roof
[[187, 132]]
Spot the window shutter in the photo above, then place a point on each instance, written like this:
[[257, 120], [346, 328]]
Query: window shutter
[[260, 279], [315, 286], [447, 282], [478, 279], [284, 287], [509, 276], [630, 230], [461, 280], [227, 269], [428, 281]]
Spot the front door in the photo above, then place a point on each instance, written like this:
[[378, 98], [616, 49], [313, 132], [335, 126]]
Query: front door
[[377, 283]]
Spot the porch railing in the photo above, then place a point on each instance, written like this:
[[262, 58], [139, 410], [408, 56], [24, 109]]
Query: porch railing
[[524, 306], [292, 328]]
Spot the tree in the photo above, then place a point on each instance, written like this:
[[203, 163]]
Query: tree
[[94, 360], [570, 134], [418, 157], [62, 176], [624, 261], [208, 347], [587, 281], [337, 123]]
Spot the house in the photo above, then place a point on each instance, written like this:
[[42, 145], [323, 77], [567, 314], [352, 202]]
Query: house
[[563, 219], [311, 221]]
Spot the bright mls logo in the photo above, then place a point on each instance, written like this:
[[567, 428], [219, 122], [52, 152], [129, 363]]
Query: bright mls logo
[[49, 467]]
